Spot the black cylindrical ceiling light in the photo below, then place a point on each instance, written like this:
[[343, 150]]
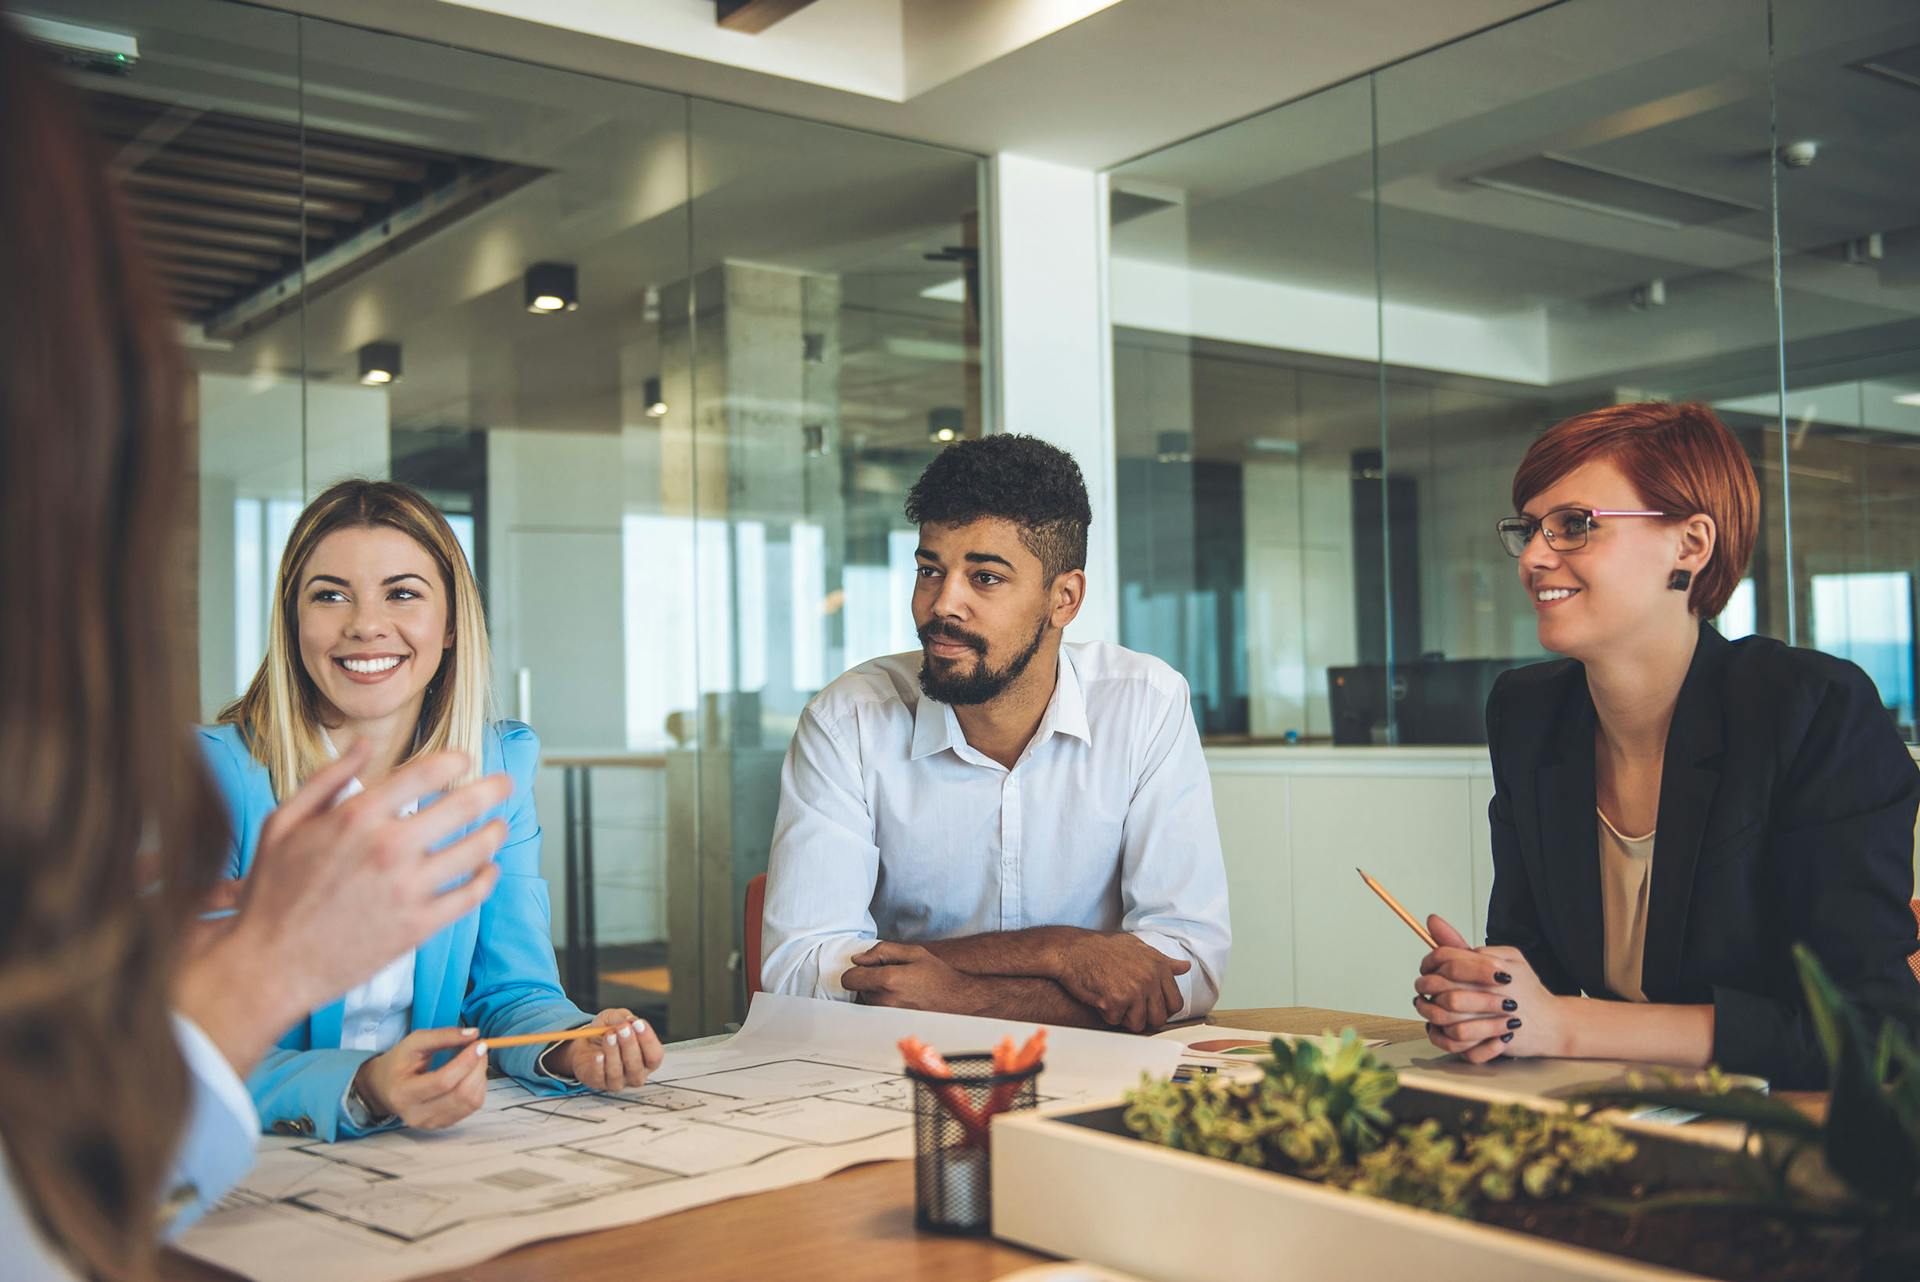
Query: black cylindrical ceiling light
[[380, 363], [656, 401], [552, 287], [946, 424]]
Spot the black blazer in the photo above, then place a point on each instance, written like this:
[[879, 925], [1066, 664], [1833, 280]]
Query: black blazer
[[1787, 808]]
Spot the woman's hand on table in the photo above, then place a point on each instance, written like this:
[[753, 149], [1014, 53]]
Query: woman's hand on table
[[1481, 1003], [618, 1061], [402, 1083]]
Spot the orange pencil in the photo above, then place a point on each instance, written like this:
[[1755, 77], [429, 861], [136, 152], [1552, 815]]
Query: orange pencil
[[926, 1061], [1012, 1061], [1394, 904], [535, 1039]]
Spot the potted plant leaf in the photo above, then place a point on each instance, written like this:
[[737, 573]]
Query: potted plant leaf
[[1859, 1169]]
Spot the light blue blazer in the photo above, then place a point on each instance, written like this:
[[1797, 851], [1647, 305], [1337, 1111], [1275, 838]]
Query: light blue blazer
[[492, 970]]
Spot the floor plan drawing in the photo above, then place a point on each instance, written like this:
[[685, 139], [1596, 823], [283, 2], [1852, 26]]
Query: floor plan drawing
[[805, 1089]]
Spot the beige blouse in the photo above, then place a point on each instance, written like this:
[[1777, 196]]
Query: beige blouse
[[1626, 874]]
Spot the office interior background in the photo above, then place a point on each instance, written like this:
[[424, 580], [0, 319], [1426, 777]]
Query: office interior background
[[670, 363]]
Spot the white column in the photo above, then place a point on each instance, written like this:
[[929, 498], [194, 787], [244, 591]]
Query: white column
[[1051, 343]]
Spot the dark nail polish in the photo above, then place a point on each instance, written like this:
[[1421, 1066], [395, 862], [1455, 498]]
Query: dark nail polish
[[1514, 1022], [1509, 1004], [1506, 1037], [1501, 977]]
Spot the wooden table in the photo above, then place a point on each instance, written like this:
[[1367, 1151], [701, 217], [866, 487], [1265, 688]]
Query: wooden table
[[855, 1226]]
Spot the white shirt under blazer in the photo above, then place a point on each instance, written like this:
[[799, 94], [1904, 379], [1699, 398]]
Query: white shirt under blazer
[[892, 826]]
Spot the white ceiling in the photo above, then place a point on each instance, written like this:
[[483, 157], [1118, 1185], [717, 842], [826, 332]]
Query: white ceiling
[[1672, 95], [1129, 78]]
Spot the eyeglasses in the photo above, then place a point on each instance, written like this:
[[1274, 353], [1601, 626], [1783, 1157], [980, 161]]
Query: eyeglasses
[[1565, 528]]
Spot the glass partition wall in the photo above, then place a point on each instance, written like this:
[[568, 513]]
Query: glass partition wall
[[668, 366], [1338, 324]]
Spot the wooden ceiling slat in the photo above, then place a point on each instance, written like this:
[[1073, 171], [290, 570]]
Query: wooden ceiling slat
[[282, 224], [226, 203], [181, 251], [284, 177], [755, 16], [198, 289], [111, 111], [175, 268], [228, 237], [371, 160], [245, 197]]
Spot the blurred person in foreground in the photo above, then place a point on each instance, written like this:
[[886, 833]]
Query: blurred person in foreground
[[125, 1023]]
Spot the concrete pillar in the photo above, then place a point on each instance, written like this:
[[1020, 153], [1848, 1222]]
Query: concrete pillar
[[1051, 343], [756, 465]]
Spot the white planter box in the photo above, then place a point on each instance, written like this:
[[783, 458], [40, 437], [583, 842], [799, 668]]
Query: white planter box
[[1071, 1180]]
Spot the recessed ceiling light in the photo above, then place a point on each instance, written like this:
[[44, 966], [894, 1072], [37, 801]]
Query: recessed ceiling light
[[1911, 398], [552, 287], [946, 424], [379, 363]]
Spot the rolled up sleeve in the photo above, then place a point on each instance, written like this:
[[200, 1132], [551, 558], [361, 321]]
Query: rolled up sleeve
[[216, 1148], [822, 870], [1173, 878]]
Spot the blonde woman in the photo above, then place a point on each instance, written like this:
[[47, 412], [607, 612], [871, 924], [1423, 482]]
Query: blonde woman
[[377, 644]]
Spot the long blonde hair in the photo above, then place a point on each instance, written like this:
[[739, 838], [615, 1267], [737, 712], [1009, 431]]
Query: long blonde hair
[[280, 714]]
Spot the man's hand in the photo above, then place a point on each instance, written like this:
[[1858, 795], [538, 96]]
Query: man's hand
[[1130, 983], [908, 976]]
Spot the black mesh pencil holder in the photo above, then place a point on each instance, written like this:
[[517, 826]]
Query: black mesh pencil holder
[[950, 1128]]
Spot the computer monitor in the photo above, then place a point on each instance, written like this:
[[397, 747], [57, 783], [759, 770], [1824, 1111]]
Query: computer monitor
[[1436, 701]]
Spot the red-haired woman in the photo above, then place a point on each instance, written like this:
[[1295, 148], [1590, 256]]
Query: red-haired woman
[[1671, 811]]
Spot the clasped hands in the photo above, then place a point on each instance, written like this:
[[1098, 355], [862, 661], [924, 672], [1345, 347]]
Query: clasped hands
[[1128, 983], [1481, 1003]]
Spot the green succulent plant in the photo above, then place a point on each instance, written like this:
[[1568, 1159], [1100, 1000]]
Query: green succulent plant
[[1312, 1110], [1513, 1153], [1321, 1113]]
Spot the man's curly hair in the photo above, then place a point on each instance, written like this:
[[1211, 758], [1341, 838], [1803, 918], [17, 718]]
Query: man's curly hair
[[1021, 479]]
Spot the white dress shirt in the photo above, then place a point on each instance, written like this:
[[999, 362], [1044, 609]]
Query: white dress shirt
[[892, 826], [216, 1148], [374, 1016], [378, 1013]]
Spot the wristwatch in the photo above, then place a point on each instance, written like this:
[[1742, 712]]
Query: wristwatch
[[361, 1113]]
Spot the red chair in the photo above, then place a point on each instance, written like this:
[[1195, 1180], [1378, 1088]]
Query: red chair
[[750, 932], [1913, 958]]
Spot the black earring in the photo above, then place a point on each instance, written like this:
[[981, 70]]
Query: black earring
[[1680, 580]]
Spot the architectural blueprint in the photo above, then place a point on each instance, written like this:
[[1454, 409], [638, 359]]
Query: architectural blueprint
[[805, 1089]]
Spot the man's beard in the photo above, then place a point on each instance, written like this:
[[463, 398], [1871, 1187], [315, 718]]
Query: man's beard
[[983, 683]]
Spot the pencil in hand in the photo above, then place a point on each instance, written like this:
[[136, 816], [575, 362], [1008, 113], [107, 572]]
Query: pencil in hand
[[540, 1039], [1400, 912]]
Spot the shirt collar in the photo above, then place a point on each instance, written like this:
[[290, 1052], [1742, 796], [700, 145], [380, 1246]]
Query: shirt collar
[[935, 728], [353, 786]]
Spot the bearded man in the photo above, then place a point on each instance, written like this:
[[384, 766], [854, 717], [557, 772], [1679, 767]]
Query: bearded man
[[1000, 823]]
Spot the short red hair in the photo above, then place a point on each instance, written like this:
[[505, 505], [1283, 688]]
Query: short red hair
[[1681, 458]]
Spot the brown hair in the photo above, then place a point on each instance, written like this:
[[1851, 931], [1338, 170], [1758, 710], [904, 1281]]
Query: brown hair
[[1682, 460], [279, 715], [110, 829]]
